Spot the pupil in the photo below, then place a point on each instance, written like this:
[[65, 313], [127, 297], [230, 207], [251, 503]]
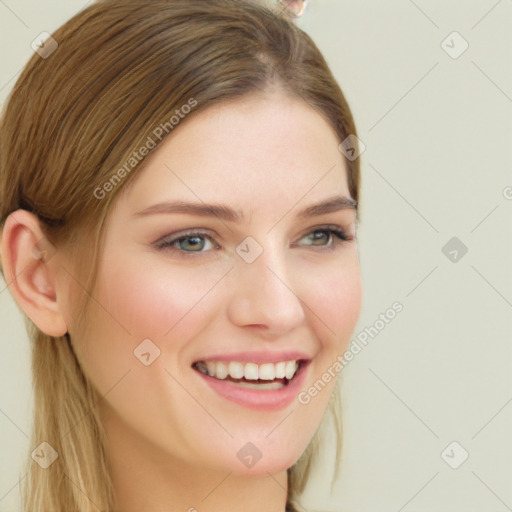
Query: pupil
[[197, 240], [317, 235]]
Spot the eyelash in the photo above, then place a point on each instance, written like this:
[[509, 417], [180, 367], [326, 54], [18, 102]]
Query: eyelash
[[168, 242]]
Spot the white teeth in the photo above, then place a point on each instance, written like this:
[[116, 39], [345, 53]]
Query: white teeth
[[290, 369], [220, 370], [249, 371], [236, 370], [281, 370], [267, 371]]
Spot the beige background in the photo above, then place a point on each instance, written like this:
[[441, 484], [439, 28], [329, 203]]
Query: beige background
[[437, 165]]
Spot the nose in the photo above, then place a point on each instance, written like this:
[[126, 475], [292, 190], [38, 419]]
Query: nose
[[265, 294]]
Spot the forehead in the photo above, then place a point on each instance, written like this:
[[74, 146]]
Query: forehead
[[255, 150]]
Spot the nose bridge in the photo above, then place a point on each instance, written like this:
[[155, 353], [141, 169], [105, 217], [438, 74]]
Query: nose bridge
[[265, 257], [266, 293]]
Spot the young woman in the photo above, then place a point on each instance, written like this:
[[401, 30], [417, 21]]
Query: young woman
[[178, 226]]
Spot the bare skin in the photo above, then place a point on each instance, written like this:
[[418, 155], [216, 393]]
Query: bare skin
[[173, 441]]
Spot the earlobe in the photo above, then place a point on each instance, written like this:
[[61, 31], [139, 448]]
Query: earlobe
[[30, 268]]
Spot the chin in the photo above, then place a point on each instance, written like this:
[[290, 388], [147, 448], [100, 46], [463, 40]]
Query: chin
[[266, 460]]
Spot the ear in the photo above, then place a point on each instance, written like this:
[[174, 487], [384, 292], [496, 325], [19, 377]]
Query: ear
[[30, 270]]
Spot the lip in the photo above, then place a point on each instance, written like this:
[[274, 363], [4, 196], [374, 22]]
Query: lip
[[259, 357], [260, 400]]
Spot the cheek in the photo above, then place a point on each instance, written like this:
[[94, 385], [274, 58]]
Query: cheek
[[334, 296], [134, 301], [155, 301], [166, 303], [333, 302]]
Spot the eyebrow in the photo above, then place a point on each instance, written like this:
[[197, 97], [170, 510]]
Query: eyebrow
[[332, 204]]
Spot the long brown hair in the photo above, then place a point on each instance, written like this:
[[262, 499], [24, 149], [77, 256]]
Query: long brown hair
[[73, 121]]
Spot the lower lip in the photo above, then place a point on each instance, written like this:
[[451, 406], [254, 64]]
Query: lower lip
[[260, 400]]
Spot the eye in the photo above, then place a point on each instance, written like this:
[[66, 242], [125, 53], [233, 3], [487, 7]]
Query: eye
[[196, 241], [327, 233], [187, 242]]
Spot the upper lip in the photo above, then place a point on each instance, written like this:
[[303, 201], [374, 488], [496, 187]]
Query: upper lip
[[258, 357]]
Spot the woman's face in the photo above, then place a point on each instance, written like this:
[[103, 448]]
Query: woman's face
[[177, 288]]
